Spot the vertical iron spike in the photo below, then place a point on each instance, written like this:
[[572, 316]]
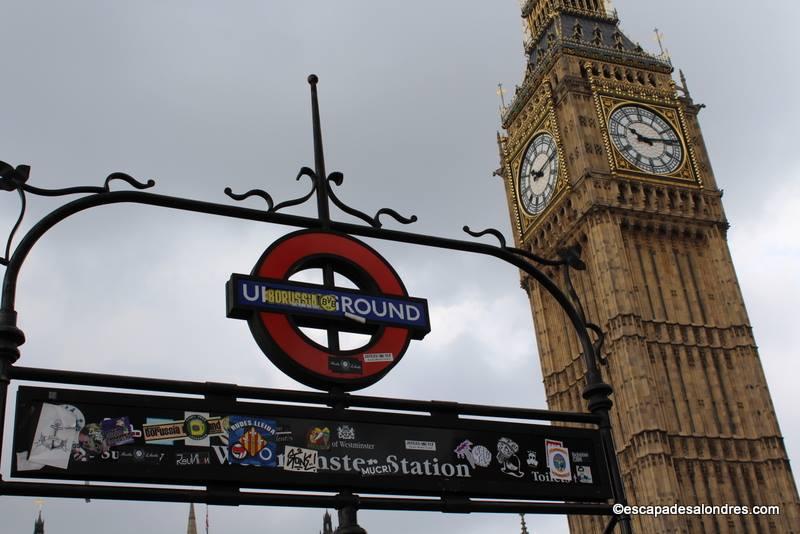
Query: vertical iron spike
[[319, 157]]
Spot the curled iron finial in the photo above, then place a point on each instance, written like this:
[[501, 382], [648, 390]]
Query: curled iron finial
[[394, 215], [252, 193], [128, 179], [337, 178], [488, 231], [16, 179], [518, 251], [271, 206]]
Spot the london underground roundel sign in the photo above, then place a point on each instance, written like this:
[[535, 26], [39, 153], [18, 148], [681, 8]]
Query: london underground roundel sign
[[278, 309]]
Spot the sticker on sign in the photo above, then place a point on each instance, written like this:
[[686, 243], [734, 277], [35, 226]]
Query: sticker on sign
[[414, 445], [379, 357], [300, 459]]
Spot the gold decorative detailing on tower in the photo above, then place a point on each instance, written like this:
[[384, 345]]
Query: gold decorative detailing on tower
[[693, 418], [538, 13]]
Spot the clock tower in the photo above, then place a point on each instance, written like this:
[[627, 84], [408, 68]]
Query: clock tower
[[603, 149]]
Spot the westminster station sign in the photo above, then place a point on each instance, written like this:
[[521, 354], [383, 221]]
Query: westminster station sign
[[80, 435]]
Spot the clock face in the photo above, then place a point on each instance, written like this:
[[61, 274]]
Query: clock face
[[539, 173], [645, 139]]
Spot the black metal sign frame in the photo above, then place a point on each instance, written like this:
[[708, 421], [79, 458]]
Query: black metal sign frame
[[402, 453], [596, 391]]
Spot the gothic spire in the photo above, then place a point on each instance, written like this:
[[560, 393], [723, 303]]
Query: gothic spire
[[327, 524], [191, 527], [524, 526], [38, 527]]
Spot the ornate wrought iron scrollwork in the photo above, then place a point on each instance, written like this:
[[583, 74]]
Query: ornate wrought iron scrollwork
[[16, 179], [572, 260], [271, 206], [488, 231], [11, 179], [337, 178], [518, 251]]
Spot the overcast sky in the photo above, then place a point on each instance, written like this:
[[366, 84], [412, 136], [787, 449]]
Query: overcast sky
[[202, 95]]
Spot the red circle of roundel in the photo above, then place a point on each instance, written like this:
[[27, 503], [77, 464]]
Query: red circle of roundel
[[293, 352]]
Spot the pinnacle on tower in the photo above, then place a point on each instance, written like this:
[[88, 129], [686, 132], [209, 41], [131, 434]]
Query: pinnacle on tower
[[539, 13], [38, 527], [327, 524], [191, 527], [524, 526]]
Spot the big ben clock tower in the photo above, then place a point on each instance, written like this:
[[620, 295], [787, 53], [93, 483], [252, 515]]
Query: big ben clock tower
[[603, 150]]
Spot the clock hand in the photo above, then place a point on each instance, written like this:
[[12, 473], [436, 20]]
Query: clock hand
[[651, 140], [642, 138], [540, 173]]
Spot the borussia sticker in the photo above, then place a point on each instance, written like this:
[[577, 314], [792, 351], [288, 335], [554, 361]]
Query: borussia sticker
[[379, 357], [155, 421], [117, 431], [194, 427], [252, 441], [300, 459], [319, 438]]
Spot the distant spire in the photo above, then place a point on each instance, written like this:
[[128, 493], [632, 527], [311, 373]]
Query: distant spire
[[524, 526], [684, 86], [38, 527], [501, 93], [327, 523], [664, 51], [191, 527]]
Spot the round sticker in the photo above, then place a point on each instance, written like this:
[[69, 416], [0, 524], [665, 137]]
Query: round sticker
[[238, 451], [196, 427]]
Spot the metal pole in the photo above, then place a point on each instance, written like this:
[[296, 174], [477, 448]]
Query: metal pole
[[348, 523], [319, 157], [11, 338], [348, 511], [323, 209]]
